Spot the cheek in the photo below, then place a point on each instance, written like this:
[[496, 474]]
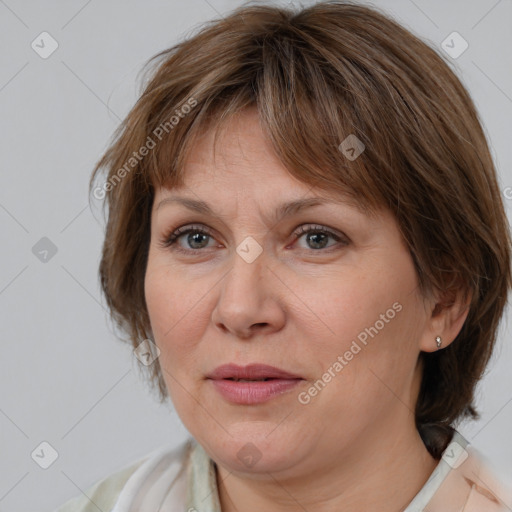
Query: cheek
[[179, 312], [171, 317], [343, 304], [159, 299], [371, 319], [171, 308]]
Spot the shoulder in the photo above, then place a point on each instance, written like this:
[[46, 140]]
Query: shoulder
[[104, 493], [487, 487], [471, 484]]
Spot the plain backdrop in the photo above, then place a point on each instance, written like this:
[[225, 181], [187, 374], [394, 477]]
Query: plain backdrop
[[65, 378]]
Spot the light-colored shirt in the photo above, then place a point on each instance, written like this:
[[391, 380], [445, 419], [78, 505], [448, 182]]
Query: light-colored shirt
[[183, 479]]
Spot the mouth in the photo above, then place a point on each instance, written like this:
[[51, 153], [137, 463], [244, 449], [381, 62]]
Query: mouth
[[252, 384], [250, 380], [250, 373]]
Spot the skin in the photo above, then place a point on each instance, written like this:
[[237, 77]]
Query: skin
[[298, 307]]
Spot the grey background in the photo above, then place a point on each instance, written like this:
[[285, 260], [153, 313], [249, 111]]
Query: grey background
[[65, 379]]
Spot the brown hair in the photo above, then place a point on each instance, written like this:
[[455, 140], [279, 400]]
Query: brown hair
[[316, 76]]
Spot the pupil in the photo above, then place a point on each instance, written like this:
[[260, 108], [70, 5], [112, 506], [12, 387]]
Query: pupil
[[313, 236], [193, 236]]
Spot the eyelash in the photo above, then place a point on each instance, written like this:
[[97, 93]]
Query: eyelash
[[169, 241]]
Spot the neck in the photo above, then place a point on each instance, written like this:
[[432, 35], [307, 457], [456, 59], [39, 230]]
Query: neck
[[377, 472]]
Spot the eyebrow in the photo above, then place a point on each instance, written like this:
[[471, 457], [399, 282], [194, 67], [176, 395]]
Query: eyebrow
[[282, 211]]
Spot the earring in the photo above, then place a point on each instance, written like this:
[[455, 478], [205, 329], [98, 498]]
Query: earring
[[438, 342]]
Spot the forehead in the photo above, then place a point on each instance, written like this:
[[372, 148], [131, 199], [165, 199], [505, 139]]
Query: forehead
[[226, 198], [274, 203], [235, 160]]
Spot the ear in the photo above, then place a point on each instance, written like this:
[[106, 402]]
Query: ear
[[447, 313]]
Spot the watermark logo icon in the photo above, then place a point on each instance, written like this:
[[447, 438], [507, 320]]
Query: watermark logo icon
[[454, 45], [352, 147], [455, 454], [146, 352], [44, 250], [44, 455], [44, 45], [249, 455], [249, 249]]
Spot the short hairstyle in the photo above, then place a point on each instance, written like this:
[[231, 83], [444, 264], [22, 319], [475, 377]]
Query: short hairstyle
[[316, 76]]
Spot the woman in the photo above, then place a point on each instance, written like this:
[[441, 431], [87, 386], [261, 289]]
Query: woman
[[307, 248]]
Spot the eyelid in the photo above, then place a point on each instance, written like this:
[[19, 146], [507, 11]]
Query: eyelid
[[172, 235]]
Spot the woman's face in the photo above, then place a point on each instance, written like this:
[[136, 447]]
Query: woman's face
[[339, 309]]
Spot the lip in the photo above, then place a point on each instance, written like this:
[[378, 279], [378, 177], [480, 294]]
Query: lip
[[258, 391], [252, 372]]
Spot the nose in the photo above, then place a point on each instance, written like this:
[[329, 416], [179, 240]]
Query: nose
[[250, 301]]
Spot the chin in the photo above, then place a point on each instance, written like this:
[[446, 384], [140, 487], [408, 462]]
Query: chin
[[254, 447]]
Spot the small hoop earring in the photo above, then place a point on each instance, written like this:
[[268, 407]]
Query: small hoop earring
[[438, 342]]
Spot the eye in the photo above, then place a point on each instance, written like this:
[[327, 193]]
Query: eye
[[197, 238], [317, 237]]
